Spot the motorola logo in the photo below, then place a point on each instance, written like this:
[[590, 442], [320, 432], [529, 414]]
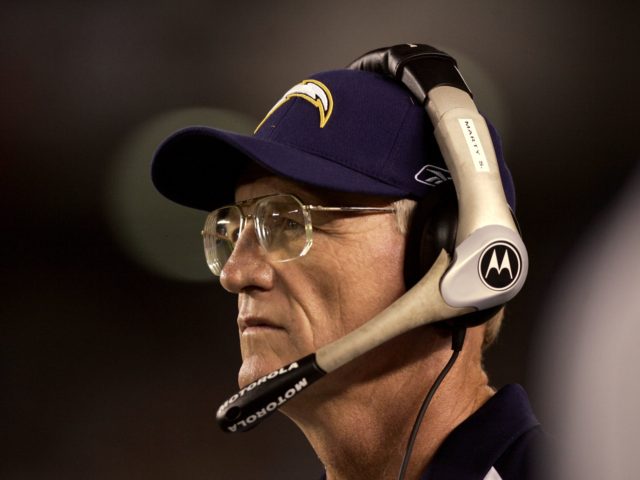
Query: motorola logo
[[500, 266]]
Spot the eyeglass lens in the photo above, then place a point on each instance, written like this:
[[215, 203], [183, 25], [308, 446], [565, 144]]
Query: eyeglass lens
[[281, 226], [220, 233]]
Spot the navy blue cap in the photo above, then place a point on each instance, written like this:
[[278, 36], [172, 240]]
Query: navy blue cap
[[344, 130]]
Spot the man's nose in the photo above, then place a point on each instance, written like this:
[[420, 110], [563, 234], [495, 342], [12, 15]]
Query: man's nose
[[247, 267]]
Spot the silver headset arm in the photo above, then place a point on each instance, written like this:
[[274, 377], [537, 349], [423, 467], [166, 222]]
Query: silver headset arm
[[485, 221]]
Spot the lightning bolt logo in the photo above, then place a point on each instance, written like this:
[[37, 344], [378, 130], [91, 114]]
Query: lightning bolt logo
[[314, 92]]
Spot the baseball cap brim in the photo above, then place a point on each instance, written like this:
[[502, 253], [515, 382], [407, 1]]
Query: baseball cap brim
[[199, 166]]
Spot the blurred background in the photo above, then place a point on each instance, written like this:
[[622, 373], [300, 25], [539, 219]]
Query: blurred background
[[117, 345]]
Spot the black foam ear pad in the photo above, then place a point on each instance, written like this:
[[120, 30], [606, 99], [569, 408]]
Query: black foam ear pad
[[432, 227]]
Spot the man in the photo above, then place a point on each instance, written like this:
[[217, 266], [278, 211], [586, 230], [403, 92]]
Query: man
[[316, 243]]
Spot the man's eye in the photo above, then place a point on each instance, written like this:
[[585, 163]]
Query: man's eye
[[292, 224], [288, 220], [288, 226], [228, 232]]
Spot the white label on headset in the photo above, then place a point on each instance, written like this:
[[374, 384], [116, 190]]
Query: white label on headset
[[475, 146]]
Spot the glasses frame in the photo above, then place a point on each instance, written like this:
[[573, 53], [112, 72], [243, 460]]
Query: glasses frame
[[307, 209]]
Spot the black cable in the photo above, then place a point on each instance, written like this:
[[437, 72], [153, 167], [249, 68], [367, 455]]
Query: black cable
[[457, 340]]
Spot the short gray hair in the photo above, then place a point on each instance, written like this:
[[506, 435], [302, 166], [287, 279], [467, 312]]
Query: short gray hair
[[404, 211]]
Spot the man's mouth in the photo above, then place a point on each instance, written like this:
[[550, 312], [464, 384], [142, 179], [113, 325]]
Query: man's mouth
[[252, 325]]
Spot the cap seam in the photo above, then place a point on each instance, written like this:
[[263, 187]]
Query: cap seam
[[273, 134], [397, 135], [324, 157]]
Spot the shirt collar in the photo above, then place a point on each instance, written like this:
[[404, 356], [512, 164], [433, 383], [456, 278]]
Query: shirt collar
[[473, 447]]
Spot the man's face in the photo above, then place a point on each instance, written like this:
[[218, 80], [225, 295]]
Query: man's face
[[287, 310]]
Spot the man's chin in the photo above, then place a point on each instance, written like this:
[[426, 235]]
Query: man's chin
[[254, 368]]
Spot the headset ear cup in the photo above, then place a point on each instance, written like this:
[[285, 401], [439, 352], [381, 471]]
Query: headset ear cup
[[432, 227]]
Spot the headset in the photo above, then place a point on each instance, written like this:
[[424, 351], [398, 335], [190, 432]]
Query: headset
[[473, 255]]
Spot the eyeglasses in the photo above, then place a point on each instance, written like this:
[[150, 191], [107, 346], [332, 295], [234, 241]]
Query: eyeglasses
[[282, 224]]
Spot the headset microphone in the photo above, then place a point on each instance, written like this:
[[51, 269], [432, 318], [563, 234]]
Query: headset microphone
[[487, 241]]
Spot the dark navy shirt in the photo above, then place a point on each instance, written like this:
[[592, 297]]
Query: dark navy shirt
[[502, 440]]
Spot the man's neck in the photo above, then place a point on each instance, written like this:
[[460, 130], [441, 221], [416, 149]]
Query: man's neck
[[362, 432]]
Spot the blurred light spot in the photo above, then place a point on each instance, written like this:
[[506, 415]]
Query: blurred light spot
[[156, 233], [587, 354]]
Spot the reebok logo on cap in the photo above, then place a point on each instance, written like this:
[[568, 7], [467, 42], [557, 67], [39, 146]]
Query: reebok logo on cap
[[432, 175], [314, 92]]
